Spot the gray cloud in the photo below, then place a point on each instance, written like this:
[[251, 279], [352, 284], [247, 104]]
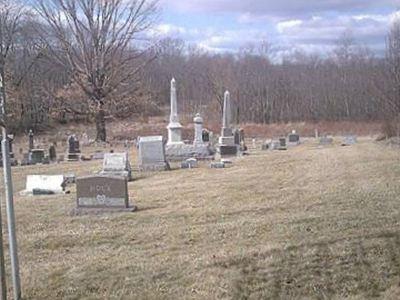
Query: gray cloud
[[313, 26], [282, 8]]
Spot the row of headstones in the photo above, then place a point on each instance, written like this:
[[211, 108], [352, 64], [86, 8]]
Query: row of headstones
[[38, 155], [293, 139]]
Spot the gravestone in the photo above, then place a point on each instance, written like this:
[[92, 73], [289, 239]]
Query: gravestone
[[102, 192], [236, 135], [282, 144], [152, 154], [174, 127], [217, 165], [52, 153], [86, 158], [176, 149], [199, 149], [206, 136], [117, 164], [44, 185], [36, 156], [10, 138], [325, 140], [275, 144], [189, 163], [227, 144], [198, 130], [226, 161], [73, 149], [316, 134], [294, 138], [349, 140], [265, 146], [242, 142], [31, 142]]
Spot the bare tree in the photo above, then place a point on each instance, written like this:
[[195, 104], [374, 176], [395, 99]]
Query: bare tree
[[393, 63], [10, 20], [95, 39]]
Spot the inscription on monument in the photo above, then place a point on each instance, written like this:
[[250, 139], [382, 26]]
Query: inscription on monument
[[102, 192]]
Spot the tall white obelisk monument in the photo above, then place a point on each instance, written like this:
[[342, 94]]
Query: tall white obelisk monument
[[174, 127]]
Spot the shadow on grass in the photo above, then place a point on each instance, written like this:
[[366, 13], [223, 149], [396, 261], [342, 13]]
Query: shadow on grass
[[365, 266]]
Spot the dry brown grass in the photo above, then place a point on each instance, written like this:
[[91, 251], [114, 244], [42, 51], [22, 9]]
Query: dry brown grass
[[308, 223]]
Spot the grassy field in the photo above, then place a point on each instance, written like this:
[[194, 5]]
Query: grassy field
[[308, 223]]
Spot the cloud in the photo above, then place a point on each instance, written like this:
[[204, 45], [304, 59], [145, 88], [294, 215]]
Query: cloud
[[312, 26], [282, 8]]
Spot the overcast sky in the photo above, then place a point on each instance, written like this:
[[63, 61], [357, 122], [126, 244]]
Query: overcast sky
[[309, 25]]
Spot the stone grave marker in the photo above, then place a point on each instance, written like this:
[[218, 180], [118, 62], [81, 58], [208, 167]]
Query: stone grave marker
[[52, 153], [282, 144], [217, 165], [102, 192], [152, 154], [226, 142], [349, 140], [73, 149], [325, 140], [294, 138], [236, 136], [31, 142], [200, 149], [189, 163], [44, 185], [117, 164], [206, 136], [36, 156], [274, 145], [265, 146]]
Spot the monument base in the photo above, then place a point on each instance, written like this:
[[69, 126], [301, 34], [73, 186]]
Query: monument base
[[73, 156], [227, 150], [182, 152], [174, 134], [126, 174], [227, 140], [80, 211], [155, 167]]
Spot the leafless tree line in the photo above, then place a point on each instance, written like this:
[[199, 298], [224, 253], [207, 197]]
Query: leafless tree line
[[73, 60], [350, 83]]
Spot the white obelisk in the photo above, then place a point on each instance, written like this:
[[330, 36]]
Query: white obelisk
[[226, 132], [174, 127]]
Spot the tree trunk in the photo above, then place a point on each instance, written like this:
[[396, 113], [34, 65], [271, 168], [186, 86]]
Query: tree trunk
[[100, 126]]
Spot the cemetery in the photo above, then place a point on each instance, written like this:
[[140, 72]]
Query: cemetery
[[148, 219], [199, 149], [264, 211]]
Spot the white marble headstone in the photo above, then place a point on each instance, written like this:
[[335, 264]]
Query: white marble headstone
[[152, 153], [115, 162], [53, 183]]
